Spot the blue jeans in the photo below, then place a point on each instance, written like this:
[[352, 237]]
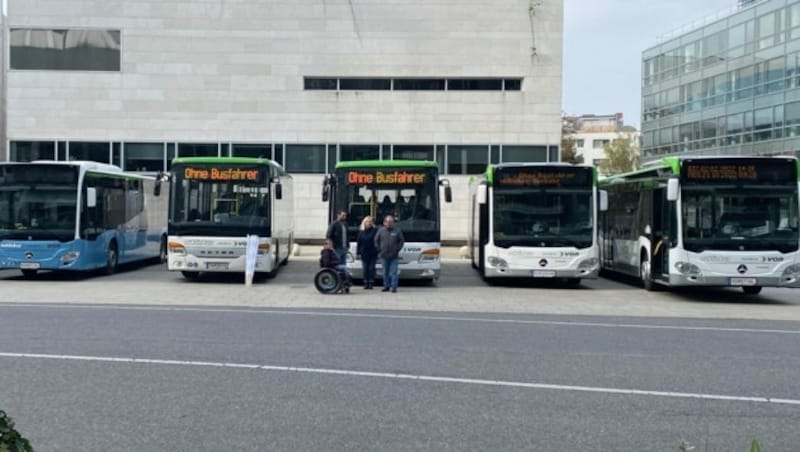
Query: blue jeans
[[391, 272], [342, 254], [368, 265], [342, 269]]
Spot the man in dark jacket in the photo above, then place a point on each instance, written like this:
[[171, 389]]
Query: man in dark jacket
[[389, 241], [337, 233]]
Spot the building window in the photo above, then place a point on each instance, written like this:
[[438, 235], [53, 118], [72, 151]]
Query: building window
[[365, 84], [512, 84], [256, 151], [93, 152], [600, 144], [312, 83], [419, 84], [791, 118], [65, 50], [477, 84], [524, 154], [198, 150], [553, 154], [412, 152], [144, 157], [579, 143], [354, 152], [467, 159], [28, 151], [305, 158]]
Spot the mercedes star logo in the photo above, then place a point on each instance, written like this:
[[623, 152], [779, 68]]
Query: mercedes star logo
[[28, 255], [543, 263], [742, 269]]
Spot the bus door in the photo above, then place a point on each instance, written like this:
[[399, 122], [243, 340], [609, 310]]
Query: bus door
[[662, 234]]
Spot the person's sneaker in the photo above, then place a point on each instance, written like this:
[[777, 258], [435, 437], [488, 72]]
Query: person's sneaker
[[394, 290], [385, 289]]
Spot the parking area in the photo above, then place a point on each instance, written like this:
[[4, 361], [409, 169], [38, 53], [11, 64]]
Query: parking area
[[459, 290]]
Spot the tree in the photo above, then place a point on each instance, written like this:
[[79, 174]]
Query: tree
[[569, 152], [621, 157]]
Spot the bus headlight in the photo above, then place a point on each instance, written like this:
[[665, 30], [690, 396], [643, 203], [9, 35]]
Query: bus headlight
[[587, 264], [687, 268], [176, 248], [70, 257], [792, 270], [263, 248], [497, 262], [428, 256]]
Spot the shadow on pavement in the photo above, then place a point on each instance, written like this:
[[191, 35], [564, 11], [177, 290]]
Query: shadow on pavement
[[49, 275], [723, 295]]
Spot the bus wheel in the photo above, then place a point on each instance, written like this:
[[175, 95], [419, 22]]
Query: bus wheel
[[191, 276], [644, 274], [112, 259], [28, 274], [752, 290], [162, 251]]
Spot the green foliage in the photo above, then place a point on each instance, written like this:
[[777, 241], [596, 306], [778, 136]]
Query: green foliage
[[756, 446], [569, 152], [10, 439], [621, 157]]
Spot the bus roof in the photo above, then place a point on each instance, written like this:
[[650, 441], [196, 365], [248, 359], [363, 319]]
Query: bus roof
[[489, 174], [88, 165], [387, 164]]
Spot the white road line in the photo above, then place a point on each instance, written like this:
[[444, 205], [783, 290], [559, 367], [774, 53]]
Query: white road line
[[412, 377], [642, 326]]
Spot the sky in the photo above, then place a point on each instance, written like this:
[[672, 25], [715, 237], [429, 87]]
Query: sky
[[603, 44]]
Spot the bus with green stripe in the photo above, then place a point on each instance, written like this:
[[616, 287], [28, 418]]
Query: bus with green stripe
[[407, 189], [535, 220], [78, 216], [216, 202], [705, 222]]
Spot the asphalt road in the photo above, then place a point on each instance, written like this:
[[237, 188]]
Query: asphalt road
[[255, 379]]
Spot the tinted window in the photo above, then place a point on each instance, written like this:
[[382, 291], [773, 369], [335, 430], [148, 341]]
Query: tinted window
[[197, 149], [524, 153], [253, 150], [144, 157], [320, 83], [475, 84], [359, 152], [412, 152], [305, 158], [28, 151], [513, 84], [65, 50], [365, 84], [419, 84], [95, 152], [467, 159]]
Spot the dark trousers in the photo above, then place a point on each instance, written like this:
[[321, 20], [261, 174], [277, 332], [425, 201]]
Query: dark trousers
[[368, 265]]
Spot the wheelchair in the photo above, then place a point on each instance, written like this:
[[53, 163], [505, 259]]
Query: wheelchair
[[330, 281]]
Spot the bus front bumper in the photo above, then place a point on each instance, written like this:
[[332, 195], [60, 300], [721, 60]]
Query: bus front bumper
[[734, 281], [519, 272], [190, 263]]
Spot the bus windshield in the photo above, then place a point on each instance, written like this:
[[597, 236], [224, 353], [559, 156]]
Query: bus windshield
[[740, 218], [38, 202], [546, 218], [205, 203], [415, 206]]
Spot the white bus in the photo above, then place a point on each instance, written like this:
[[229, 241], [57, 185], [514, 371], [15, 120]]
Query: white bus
[[531, 220], [216, 202], [406, 189], [78, 216], [705, 221]]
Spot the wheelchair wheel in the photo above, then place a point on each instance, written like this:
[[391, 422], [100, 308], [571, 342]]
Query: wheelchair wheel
[[327, 281]]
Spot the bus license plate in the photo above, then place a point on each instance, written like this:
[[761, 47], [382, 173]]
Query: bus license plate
[[743, 281], [542, 274], [216, 266], [30, 265]]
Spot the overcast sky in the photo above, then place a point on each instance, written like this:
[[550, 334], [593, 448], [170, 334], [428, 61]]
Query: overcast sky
[[603, 44]]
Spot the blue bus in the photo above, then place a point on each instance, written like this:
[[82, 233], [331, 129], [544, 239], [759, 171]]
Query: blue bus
[[78, 216]]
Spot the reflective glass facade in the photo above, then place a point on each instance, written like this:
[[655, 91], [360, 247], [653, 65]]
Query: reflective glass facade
[[730, 87]]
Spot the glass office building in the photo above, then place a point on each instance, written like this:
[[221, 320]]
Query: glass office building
[[731, 87]]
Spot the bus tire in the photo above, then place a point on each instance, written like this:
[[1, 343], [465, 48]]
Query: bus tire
[[644, 273], [191, 276], [112, 259], [751, 290], [28, 274], [162, 250]]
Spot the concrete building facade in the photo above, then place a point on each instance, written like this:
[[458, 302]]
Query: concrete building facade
[[305, 82], [592, 133], [730, 87]]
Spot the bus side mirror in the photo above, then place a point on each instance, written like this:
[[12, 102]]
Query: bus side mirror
[[157, 186], [603, 201], [448, 192], [91, 197], [326, 189], [673, 188], [278, 191], [483, 194]]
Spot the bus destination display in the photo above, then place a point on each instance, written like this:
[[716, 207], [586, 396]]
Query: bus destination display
[[543, 177], [220, 174], [386, 177], [744, 172]]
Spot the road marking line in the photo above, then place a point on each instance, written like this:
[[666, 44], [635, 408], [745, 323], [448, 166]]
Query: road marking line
[[411, 317], [412, 377]]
